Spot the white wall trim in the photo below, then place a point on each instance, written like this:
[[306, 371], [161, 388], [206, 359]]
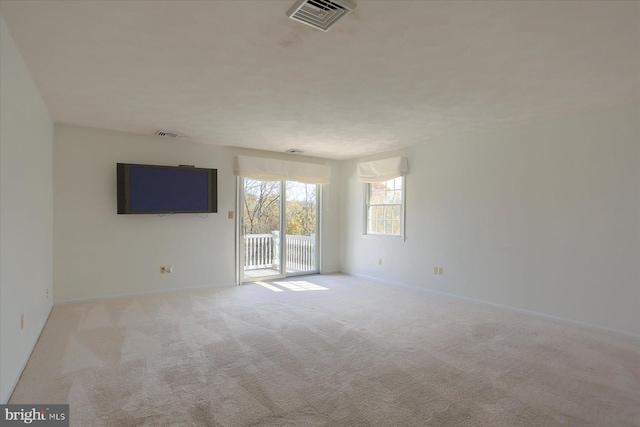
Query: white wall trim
[[14, 383], [500, 306]]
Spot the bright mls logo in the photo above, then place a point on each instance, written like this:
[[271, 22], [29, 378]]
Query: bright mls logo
[[36, 415]]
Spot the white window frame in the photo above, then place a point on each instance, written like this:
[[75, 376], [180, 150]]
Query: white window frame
[[367, 204]]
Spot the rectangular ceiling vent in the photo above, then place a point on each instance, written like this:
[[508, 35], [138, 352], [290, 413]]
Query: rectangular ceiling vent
[[167, 134], [320, 14]]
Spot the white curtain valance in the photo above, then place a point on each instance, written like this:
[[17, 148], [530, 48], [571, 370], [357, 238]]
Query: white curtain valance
[[265, 169], [382, 170]]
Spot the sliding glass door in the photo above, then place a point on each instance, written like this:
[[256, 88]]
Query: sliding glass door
[[261, 223], [301, 239], [268, 208]]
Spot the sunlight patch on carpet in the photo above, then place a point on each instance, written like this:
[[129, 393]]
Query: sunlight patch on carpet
[[270, 287], [301, 285]]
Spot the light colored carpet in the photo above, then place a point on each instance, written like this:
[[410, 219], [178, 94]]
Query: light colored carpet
[[327, 350]]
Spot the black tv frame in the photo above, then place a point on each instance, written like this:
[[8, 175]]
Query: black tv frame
[[123, 189]]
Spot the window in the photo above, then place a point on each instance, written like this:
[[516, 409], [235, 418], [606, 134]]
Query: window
[[385, 207]]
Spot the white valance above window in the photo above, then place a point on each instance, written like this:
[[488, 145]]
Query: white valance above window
[[264, 169], [382, 170]]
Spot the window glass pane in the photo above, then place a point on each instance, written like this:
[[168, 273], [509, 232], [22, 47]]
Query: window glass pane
[[388, 212], [377, 193], [397, 212], [388, 196]]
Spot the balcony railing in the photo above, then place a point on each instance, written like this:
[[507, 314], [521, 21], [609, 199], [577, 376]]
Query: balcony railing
[[258, 251], [262, 251]]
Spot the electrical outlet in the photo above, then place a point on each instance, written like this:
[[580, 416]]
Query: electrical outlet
[[230, 215], [441, 271], [435, 270], [380, 261], [170, 269], [22, 321], [47, 292], [163, 269]]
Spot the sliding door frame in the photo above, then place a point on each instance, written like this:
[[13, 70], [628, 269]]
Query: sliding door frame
[[239, 252]]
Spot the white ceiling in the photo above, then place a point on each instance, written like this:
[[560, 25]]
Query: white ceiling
[[389, 75]]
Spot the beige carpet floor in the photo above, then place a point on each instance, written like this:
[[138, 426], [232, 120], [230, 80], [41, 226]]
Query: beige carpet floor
[[329, 350]]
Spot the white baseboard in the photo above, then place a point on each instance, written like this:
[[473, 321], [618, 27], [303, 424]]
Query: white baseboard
[[501, 306], [14, 383]]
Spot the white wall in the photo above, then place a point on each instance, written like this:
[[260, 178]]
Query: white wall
[[99, 253], [26, 213], [542, 217]]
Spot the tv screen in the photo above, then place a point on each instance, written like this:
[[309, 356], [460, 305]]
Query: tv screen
[[153, 189]]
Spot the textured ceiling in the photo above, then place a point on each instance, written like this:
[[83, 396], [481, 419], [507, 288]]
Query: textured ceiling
[[390, 75]]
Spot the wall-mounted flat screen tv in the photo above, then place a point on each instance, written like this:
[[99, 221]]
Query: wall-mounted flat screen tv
[[154, 189]]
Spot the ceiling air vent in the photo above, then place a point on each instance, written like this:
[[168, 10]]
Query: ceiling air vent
[[167, 134], [320, 14]]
